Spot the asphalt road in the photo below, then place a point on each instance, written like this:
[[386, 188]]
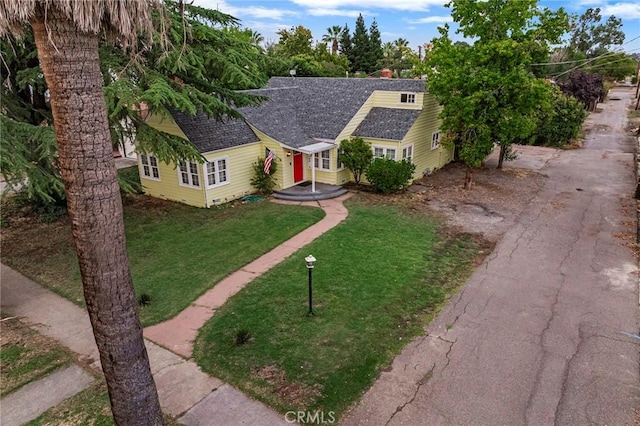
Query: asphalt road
[[543, 331]]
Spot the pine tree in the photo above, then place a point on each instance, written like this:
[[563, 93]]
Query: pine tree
[[375, 47], [346, 46], [360, 60]]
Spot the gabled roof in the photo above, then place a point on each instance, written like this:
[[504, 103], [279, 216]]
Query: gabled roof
[[212, 135], [299, 112], [387, 123]]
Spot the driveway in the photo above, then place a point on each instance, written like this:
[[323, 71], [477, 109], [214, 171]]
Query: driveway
[[543, 331]]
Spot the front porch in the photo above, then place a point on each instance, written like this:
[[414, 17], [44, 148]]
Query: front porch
[[304, 192]]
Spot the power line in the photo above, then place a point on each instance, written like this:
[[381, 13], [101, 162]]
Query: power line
[[582, 60]]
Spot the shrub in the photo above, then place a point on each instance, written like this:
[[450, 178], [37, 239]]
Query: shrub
[[389, 176], [261, 181], [356, 155], [562, 124]]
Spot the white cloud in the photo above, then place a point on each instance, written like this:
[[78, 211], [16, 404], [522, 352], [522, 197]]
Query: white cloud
[[431, 20], [257, 12], [407, 5], [626, 11], [337, 12]]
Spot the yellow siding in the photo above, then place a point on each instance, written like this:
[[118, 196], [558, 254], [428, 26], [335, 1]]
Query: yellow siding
[[284, 174], [165, 124], [356, 119], [387, 99], [168, 187], [420, 136], [240, 168]]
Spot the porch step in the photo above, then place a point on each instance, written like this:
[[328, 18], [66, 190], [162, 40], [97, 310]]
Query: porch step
[[310, 196]]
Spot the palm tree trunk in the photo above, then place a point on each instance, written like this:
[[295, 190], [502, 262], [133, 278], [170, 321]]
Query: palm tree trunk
[[70, 64]]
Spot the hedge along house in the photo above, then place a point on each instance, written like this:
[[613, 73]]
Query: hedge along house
[[302, 122]]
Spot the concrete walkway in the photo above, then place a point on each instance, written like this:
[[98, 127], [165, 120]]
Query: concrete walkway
[[33, 399], [178, 333], [184, 390], [537, 335]]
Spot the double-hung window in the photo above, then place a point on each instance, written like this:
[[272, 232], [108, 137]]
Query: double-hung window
[[407, 153], [435, 140], [217, 172], [188, 174], [150, 166], [383, 152], [322, 160]]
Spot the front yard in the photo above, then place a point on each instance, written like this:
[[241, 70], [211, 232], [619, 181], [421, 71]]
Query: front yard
[[380, 277], [176, 252]]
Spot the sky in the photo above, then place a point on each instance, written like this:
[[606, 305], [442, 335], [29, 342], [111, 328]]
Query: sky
[[414, 20]]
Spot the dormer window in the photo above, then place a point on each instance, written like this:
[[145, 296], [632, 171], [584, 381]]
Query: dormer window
[[407, 98]]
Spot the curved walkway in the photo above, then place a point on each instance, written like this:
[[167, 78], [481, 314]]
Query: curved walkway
[[178, 333]]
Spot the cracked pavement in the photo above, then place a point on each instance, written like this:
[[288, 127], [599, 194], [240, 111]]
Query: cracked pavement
[[537, 335]]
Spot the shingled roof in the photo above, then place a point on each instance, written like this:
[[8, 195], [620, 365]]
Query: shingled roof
[[208, 134], [387, 123], [298, 113]]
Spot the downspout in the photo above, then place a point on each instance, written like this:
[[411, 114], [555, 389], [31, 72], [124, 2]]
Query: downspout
[[204, 186]]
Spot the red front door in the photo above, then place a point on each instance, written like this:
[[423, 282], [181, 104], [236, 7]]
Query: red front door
[[298, 171]]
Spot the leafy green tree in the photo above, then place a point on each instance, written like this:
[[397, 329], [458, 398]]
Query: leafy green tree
[[615, 66], [488, 94], [561, 124], [593, 38], [359, 58], [295, 41], [333, 36], [356, 155]]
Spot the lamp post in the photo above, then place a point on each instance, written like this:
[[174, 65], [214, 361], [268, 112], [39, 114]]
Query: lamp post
[[310, 262]]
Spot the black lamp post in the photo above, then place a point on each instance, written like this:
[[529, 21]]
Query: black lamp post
[[310, 262]]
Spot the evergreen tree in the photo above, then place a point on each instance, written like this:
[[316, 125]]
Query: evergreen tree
[[375, 47], [360, 51], [346, 45]]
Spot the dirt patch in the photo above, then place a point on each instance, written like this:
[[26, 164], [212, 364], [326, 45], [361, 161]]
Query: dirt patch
[[490, 208], [296, 394]]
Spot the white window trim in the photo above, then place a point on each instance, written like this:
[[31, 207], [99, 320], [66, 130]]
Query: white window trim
[[415, 98], [318, 155], [402, 151], [384, 149], [190, 184], [435, 136], [141, 165], [217, 172]]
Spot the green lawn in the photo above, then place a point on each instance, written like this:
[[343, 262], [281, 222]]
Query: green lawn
[[26, 355], [176, 252], [380, 276]]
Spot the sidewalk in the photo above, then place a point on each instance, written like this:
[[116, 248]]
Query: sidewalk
[[185, 391]]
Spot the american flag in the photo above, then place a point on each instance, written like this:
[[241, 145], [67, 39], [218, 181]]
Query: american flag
[[270, 155]]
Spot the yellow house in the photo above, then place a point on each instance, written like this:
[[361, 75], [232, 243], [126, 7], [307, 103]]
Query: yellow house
[[302, 122]]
